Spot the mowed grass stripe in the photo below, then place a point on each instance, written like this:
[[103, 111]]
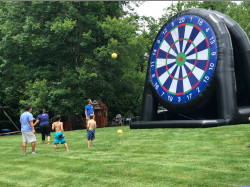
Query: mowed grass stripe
[[147, 157]]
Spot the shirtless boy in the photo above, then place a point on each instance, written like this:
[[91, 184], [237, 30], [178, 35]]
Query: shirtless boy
[[91, 126], [59, 133]]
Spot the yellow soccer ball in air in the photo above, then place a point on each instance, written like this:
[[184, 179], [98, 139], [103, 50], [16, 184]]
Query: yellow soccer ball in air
[[114, 55], [119, 131]]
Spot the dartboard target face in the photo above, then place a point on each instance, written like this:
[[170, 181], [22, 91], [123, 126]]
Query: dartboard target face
[[183, 59]]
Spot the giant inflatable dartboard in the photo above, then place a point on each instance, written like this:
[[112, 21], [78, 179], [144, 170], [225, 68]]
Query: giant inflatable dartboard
[[194, 69], [183, 59]]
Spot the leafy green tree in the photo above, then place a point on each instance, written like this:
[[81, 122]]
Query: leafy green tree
[[118, 81], [64, 48], [36, 93], [170, 11]]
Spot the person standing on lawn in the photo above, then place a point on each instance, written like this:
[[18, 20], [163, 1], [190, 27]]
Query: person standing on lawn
[[91, 126], [27, 129], [43, 120], [89, 110], [59, 133]]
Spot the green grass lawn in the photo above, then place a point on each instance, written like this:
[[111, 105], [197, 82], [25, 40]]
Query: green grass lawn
[[148, 157]]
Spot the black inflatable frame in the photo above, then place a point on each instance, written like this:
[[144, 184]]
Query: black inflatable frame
[[231, 104]]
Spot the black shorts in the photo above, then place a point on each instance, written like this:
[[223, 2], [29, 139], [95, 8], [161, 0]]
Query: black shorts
[[45, 130]]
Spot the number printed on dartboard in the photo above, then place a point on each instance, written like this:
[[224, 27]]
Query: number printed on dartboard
[[183, 59]]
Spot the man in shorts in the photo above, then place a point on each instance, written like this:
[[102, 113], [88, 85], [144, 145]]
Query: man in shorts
[[27, 129]]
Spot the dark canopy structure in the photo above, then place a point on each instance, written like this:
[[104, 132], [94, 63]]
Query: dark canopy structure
[[199, 70]]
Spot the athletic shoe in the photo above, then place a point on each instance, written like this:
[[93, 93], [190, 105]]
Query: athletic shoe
[[33, 153], [24, 154], [248, 146]]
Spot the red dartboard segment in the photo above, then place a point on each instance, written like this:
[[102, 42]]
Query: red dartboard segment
[[197, 27], [195, 85], [179, 93], [207, 43], [181, 25], [206, 66], [164, 88], [195, 62], [167, 35], [172, 45]]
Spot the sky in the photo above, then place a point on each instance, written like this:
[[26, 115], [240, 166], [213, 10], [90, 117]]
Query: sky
[[155, 8]]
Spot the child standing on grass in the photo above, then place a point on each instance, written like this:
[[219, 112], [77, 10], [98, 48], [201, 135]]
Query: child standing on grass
[[59, 133], [91, 126]]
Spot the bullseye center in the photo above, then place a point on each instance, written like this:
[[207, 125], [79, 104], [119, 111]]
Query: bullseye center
[[181, 59]]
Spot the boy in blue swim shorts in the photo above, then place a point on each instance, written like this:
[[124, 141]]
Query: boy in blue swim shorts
[[59, 133], [91, 126]]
